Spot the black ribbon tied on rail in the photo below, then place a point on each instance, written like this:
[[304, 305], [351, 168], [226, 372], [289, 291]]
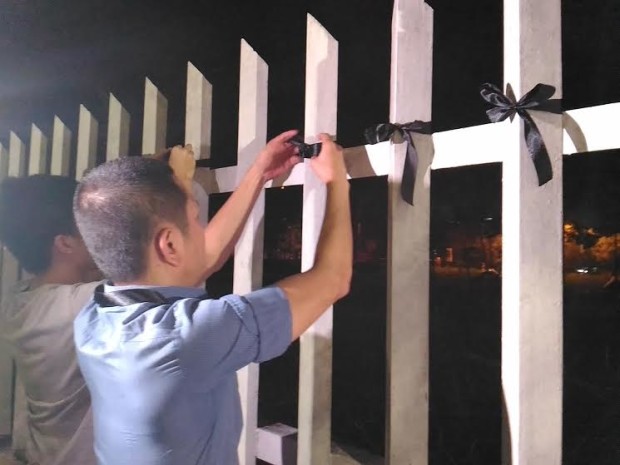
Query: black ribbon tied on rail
[[539, 99], [385, 131], [305, 150]]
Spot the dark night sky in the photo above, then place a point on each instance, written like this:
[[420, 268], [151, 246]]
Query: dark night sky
[[56, 55]]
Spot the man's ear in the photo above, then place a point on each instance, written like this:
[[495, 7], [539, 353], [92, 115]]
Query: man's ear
[[65, 243], [169, 245]]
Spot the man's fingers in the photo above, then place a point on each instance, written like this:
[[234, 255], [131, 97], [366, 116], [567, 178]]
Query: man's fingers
[[324, 137], [285, 136], [162, 155]]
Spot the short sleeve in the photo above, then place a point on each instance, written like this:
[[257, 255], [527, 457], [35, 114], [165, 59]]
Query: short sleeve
[[223, 335]]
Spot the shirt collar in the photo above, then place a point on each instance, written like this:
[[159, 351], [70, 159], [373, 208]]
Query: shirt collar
[[166, 291]]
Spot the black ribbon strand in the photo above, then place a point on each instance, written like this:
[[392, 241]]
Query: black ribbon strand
[[539, 98], [385, 131]]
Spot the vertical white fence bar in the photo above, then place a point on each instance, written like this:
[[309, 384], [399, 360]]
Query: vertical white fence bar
[[61, 148], [17, 156], [10, 275], [198, 131], [118, 130], [38, 151], [16, 168], [4, 162], [408, 240], [6, 389], [6, 362], [155, 119], [532, 245], [248, 274], [4, 171], [88, 130], [315, 357], [198, 113]]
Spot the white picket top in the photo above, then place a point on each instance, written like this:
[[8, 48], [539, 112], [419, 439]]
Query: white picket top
[[88, 131], [117, 144], [61, 148], [38, 151], [155, 121]]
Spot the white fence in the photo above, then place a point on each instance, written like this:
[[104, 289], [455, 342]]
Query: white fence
[[532, 222]]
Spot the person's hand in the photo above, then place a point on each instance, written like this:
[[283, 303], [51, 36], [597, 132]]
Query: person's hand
[[278, 156], [183, 164], [329, 164]]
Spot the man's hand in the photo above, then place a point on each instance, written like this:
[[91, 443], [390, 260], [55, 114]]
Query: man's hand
[[329, 164], [278, 156], [183, 164]]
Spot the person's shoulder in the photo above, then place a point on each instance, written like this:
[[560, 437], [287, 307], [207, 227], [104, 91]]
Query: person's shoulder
[[264, 296], [67, 299], [78, 292], [25, 295]]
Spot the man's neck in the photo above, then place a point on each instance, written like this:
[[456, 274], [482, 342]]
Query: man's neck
[[59, 275], [160, 280]]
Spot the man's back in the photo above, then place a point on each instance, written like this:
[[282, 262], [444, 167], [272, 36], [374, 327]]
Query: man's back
[[161, 368], [162, 375], [38, 324]]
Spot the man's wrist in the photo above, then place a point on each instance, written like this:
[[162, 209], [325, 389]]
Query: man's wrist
[[185, 182], [257, 173], [339, 182]]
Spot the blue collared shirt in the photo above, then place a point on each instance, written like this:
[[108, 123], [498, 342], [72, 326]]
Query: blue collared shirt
[[162, 376]]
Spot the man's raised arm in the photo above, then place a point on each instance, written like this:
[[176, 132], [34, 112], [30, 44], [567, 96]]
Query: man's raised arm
[[311, 293], [224, 229]]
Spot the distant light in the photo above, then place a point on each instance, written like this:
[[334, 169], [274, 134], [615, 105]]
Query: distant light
[[587, 269]]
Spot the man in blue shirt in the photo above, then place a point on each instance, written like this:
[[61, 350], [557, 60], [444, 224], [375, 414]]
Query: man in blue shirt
[[159, 358]]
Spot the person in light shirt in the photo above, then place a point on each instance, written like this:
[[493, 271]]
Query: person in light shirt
[[53, 425]]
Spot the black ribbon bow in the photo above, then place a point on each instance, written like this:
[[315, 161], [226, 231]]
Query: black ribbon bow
[[539, 98], [385, 131], [305, 150]]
